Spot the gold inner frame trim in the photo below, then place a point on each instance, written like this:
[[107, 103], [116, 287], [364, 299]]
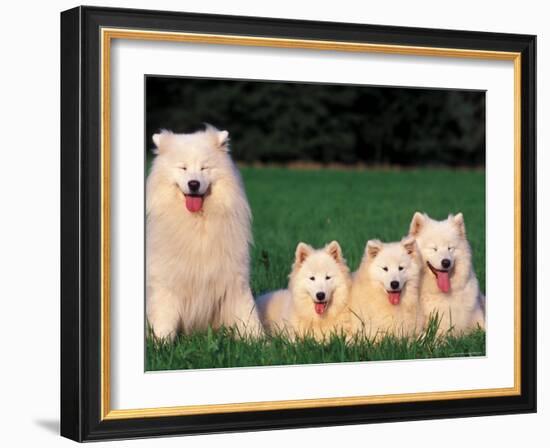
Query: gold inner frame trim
[[107, 35]]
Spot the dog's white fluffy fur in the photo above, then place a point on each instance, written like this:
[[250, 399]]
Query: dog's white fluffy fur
[[462, 307], [373, 313], [297, 311], [197, 254]]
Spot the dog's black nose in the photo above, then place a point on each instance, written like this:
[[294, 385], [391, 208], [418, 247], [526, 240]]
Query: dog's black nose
[[194, 185], [320, 296], [446, 263], [394, 284]]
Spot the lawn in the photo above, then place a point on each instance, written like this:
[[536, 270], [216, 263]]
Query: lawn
[[318, 206]]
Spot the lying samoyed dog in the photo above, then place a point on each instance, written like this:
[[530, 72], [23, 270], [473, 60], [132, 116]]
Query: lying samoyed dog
[[384, 294], [449, 285], [315, 303], [198, 236]]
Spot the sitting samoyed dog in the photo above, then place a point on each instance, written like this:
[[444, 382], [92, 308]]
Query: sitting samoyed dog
[[384, 293], [198, 236], [449, 285], [315, 303]]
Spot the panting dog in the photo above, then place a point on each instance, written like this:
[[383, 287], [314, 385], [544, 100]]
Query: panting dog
[[315, 303], [384, 295], [449, 285], [197, 237]]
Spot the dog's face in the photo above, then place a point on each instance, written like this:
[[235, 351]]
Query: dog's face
[[318, 273], [441, 243], [392, 265], [193, 162]]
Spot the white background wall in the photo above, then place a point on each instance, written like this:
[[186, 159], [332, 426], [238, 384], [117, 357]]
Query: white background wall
[[29, 223]]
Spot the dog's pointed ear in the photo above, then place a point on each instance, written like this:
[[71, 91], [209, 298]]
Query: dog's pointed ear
[[372, 248], [160, 141], [156, 140], [335, 251], [303, 251], [409, 243], [221, 138], [417, 223], [458, 221]]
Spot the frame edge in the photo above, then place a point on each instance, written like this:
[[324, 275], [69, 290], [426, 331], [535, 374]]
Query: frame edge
[[78, 416], [529, 221], [71, 379]]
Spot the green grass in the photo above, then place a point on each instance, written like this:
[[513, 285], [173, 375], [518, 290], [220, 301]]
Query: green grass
[[222, 349], [352, 207], [318, 206]]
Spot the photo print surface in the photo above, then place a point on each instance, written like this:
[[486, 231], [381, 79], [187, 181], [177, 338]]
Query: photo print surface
[[304, 223]]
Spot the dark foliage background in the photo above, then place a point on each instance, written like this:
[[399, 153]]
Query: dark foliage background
[[285, 122]]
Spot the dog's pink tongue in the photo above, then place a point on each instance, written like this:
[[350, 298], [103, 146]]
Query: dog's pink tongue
[[394, 297], [443, 281], [193, 203], [320, 308]]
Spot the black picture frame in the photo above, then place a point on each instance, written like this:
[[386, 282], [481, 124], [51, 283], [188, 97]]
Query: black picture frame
[[81, 224]]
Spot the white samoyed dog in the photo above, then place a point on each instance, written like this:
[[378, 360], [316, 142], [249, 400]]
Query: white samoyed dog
[[198, 236], [315, 303], [449, 285], [384, 294]]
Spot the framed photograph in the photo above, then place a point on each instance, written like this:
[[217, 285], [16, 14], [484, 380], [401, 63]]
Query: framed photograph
[[276, 224]]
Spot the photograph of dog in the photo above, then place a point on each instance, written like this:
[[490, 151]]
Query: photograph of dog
[[449, 285], [316, 301], [385, 291], [245, 242], [198, 237]]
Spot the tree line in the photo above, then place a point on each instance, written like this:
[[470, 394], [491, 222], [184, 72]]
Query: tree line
[[281, 122]]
